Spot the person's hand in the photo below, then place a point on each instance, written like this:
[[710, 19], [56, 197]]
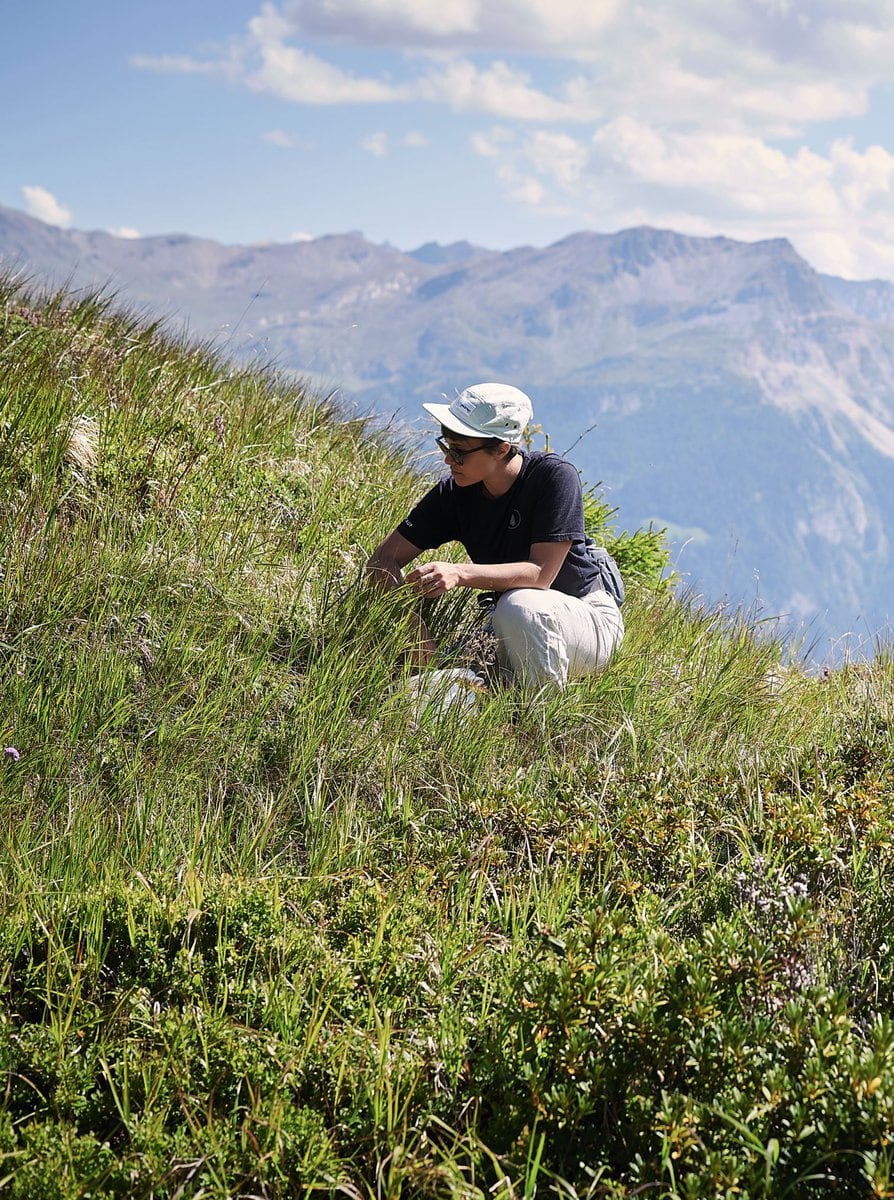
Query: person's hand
[[434, 579]]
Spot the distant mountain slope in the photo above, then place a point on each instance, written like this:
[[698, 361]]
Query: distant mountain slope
[[873, 299], [725, 389], [456, 252]]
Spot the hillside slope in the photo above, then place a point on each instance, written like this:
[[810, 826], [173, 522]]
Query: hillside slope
[[269, 930]]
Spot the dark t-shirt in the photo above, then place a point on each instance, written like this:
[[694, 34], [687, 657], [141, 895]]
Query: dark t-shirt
[[543, 505]]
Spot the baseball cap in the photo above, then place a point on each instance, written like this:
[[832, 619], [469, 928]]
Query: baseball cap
[[490, 410]]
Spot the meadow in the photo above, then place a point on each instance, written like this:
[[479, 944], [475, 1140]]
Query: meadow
[[269, 930]]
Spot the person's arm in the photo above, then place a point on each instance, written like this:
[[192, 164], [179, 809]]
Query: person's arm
[[387, 561], [537, 571], [385, 569]]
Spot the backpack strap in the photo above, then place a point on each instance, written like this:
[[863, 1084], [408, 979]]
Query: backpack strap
[[609, 574]]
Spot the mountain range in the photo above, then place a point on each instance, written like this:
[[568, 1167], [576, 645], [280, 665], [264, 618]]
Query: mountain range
[[723, 390]]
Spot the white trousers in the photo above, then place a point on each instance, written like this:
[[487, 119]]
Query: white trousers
[[546, 636]]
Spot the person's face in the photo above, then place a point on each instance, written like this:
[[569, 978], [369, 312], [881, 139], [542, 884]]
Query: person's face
[[470, 460]]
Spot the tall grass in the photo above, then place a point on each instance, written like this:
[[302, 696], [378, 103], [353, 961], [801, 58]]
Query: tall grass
[[267, 930]]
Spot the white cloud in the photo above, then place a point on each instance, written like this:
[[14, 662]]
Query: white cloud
[[266, 60], [278, 137], [383, 20], [779, 105], [301, 237], [560, 155], [294, 74], [527, 190], [263, 61], [855, 41], [498, 91], [125, 231], [534, 26], [304, 78], [379, 144], [748, 64], [566, 157], [44, 206], [492, 143], [376, 144]]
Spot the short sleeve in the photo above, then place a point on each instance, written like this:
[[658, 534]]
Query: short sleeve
[[429, 524], [558, 511]]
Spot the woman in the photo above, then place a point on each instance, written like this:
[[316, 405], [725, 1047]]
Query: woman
[[519, 516]]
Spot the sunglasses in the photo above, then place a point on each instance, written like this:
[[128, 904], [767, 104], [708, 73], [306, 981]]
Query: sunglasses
[[455, 456]]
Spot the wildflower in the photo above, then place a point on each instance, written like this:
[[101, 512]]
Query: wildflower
[[11, 752]]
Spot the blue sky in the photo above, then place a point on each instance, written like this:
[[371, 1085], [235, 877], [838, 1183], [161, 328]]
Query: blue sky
[[504, 122]]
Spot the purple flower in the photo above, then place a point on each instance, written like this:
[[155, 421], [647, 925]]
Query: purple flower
[[11, 752]]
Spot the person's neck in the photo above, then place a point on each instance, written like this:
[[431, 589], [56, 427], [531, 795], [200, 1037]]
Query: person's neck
[[500, 482]]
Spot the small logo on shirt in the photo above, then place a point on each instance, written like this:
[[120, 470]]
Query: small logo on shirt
[[514, 519]]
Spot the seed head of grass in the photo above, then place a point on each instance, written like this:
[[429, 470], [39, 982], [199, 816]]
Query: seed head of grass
[[81, 449]]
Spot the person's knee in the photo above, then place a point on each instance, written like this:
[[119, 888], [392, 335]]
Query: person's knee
[[522, 602], [528, 637], [514, 611]]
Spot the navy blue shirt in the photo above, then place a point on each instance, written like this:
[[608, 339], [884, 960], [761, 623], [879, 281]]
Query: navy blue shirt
[[544, 504]]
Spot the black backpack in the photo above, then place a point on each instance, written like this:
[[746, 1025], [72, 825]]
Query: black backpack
[[609, 575]]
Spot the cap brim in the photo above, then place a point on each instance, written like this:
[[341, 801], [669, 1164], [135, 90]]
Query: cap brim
[[442, 414]]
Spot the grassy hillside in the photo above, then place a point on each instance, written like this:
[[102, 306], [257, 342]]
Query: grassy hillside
[[267, 932]]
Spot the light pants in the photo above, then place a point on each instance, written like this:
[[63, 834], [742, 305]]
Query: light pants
[[546, 636]]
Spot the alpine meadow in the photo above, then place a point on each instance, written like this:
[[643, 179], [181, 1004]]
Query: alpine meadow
[[270, 928]]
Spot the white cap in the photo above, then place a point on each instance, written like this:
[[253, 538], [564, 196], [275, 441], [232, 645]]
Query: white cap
[[489, 410]]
